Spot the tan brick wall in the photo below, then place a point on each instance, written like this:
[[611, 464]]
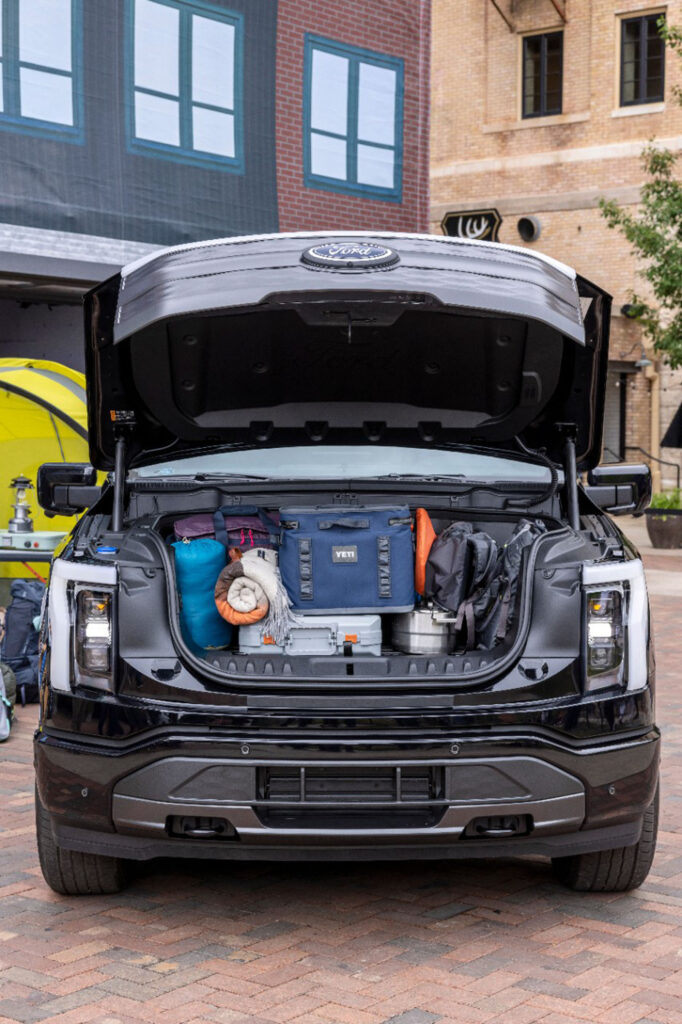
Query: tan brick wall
[[556, 168], [671, 397], [638, 424]]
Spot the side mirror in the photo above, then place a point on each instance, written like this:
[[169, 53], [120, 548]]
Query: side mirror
[[67, 488], [620, 489]]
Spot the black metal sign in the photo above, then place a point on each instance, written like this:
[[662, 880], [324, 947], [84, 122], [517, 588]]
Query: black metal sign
[[478, 225]]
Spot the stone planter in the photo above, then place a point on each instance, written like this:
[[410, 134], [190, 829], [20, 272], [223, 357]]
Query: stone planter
[[664, 526]]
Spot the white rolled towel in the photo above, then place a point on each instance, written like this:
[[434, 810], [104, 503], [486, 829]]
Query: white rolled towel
[[259, 566], [246, 594]]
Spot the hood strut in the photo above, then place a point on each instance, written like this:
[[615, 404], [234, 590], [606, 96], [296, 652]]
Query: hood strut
[[571, 479], [119, 484]]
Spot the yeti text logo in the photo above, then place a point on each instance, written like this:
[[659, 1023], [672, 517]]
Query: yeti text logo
[[345, 554]]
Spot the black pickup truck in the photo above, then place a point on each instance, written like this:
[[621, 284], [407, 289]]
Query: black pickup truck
[[347, 371]]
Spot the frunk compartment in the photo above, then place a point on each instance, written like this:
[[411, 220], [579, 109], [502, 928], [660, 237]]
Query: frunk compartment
[[374, 643]]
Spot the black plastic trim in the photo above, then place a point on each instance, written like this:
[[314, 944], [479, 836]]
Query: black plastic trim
[[136, 848]]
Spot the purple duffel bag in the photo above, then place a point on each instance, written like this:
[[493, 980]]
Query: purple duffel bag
[[251, 528]]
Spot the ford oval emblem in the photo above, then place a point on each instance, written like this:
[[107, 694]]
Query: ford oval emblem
[[354, 255]]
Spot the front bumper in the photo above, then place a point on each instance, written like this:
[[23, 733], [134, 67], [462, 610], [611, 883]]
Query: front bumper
[[301, 799]]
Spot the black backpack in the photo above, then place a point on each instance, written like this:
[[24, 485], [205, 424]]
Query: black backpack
[[19, 648], [467, 575], [460, 570]]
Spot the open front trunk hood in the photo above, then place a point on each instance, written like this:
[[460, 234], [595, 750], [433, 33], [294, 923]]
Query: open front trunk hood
[[345, 338]]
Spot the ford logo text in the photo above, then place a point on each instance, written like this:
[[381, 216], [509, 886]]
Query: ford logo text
[[350, 254]]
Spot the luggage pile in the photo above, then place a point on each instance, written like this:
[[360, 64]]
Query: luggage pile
[[316, 581]]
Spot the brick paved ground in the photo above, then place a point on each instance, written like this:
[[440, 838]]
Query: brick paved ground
[[358, 944]]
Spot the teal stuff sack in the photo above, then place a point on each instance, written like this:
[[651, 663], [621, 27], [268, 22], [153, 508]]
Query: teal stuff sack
[[197, 566]]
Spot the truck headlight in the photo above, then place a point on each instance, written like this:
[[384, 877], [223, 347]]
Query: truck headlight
[[66, 621], [616, 626], [93, 633], [605, 634]]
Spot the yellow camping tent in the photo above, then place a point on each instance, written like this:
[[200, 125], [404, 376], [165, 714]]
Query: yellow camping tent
[[43, 418]]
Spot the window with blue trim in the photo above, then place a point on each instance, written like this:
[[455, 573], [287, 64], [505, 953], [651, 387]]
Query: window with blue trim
[[353, 120], [184, 81], [40, 86]]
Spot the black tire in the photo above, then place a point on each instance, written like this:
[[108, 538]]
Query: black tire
[[612, 870], [76, 874]]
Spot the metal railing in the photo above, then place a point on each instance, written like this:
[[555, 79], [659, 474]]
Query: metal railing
[[661, 462]]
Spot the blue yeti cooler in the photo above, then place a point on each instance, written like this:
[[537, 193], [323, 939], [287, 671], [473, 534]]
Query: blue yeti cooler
[[347, 559]]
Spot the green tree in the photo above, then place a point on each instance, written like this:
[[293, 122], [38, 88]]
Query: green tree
[[655, 234]]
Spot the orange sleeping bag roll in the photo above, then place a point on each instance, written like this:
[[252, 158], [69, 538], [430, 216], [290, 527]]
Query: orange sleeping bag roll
[[425, 536]]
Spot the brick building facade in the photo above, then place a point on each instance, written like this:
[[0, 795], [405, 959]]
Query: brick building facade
[[539, 108], [130, 125]]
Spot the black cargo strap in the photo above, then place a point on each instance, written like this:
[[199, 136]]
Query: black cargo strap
[[501, 630], [465, 616], [465, 613]]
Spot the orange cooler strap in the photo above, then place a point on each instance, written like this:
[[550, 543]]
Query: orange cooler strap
[[425, 538]]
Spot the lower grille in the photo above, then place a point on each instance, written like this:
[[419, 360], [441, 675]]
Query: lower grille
[[341, 796], [336, 785], [373, 818]]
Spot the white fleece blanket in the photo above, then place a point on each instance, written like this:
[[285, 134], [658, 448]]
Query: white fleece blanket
[[245, 594], [261, 576]]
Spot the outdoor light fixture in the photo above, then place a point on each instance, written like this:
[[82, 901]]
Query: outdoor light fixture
[[529, 228], [643, 360], [629, 310], [21, 521]]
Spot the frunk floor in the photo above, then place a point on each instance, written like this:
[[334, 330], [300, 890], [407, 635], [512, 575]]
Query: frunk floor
[[350, 944]]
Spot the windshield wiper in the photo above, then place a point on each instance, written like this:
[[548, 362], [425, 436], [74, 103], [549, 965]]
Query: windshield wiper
[[230, 476], [429, 477]]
